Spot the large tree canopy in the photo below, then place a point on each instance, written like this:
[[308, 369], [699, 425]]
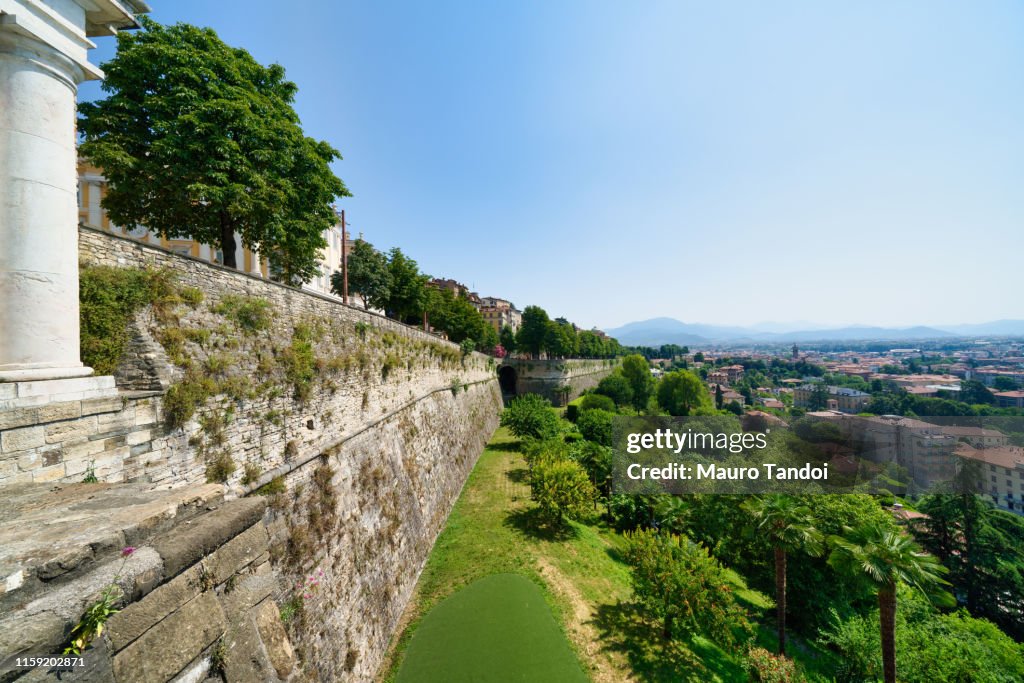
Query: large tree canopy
[[681, 392], [533, 330], [368, 275], [408, 298], [199, 140]]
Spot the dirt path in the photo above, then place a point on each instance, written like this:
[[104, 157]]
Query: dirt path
[[602, 667]]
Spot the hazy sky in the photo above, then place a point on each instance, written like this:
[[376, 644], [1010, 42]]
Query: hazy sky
[[715, 162]]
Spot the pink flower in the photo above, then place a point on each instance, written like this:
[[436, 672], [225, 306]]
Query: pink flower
[[127, 550]]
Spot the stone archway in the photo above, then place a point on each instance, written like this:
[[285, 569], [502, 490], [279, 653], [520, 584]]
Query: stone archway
[[507, 380]]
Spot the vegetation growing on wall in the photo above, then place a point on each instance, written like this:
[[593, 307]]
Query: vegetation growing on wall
[[108, 300]]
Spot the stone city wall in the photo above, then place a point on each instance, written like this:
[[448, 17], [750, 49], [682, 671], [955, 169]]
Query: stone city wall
[[548, 377], [359, 431]]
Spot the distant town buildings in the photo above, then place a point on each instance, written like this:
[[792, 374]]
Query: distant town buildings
[[1010, 399], [726, 375], [935, 453], [843, 399], [1001, 473], [500, 313]]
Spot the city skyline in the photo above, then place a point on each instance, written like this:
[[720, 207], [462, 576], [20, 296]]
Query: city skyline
[[617, 164]]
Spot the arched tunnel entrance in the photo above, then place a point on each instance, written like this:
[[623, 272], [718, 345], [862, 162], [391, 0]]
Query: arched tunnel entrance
[[507, 379]]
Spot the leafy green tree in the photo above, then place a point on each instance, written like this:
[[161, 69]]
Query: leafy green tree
[[507, 339], [616, 387], [530, 416], [597, 461], [560, 339], [590, 345], [789, 527], [407, 299], [884, 559], [561, 489], [681, 392], [929, 646], [597, 402], [199, 140], [671, 513], [487, 340], [678, 582], [983, 548], [596, 426], [533, 331], [457, 317], [734, 407], [719, 396], [637, 372], [1004, 384], [971, 391], [368, 275]]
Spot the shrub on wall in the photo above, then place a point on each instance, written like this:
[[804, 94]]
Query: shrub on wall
[[251, 314], [108, 300]]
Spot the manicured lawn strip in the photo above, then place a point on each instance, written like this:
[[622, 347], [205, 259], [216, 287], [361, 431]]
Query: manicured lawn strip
[[497, 629]]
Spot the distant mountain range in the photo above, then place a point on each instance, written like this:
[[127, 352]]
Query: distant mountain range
[[657, 331]]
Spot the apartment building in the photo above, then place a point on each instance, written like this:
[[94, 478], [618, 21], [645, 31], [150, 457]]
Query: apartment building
[[1001, 474], [1010, 399], [845, 400]]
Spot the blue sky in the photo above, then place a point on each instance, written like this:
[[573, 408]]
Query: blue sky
[[726, 162]]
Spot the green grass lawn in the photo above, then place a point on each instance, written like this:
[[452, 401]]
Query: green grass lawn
[[497, 629], [580, 575]]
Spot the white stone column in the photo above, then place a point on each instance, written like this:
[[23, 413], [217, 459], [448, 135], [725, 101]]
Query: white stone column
[[43, 47]]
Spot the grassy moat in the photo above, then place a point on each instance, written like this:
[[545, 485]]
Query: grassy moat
[[581, 573]]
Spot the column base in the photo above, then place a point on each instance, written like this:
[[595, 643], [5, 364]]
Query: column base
[[31, 374], [31, 393]]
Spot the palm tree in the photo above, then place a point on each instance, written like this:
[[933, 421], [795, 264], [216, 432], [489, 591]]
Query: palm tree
[[789, 526], [884, 558], [671, 513]]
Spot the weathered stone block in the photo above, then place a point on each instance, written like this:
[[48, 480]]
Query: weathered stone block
[[238, 552], [71, 429], [52, 456], [275, 640], [166, 648], [135, 619], [22, 439], [245, 659], [145, 413], [107, 422], [23, 635], [93, 406], [137, 437], [29, 461], [60, 411], [195, 539], [54, 473], [247, 591], [140, 449], [75, 449], [19, 417]]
